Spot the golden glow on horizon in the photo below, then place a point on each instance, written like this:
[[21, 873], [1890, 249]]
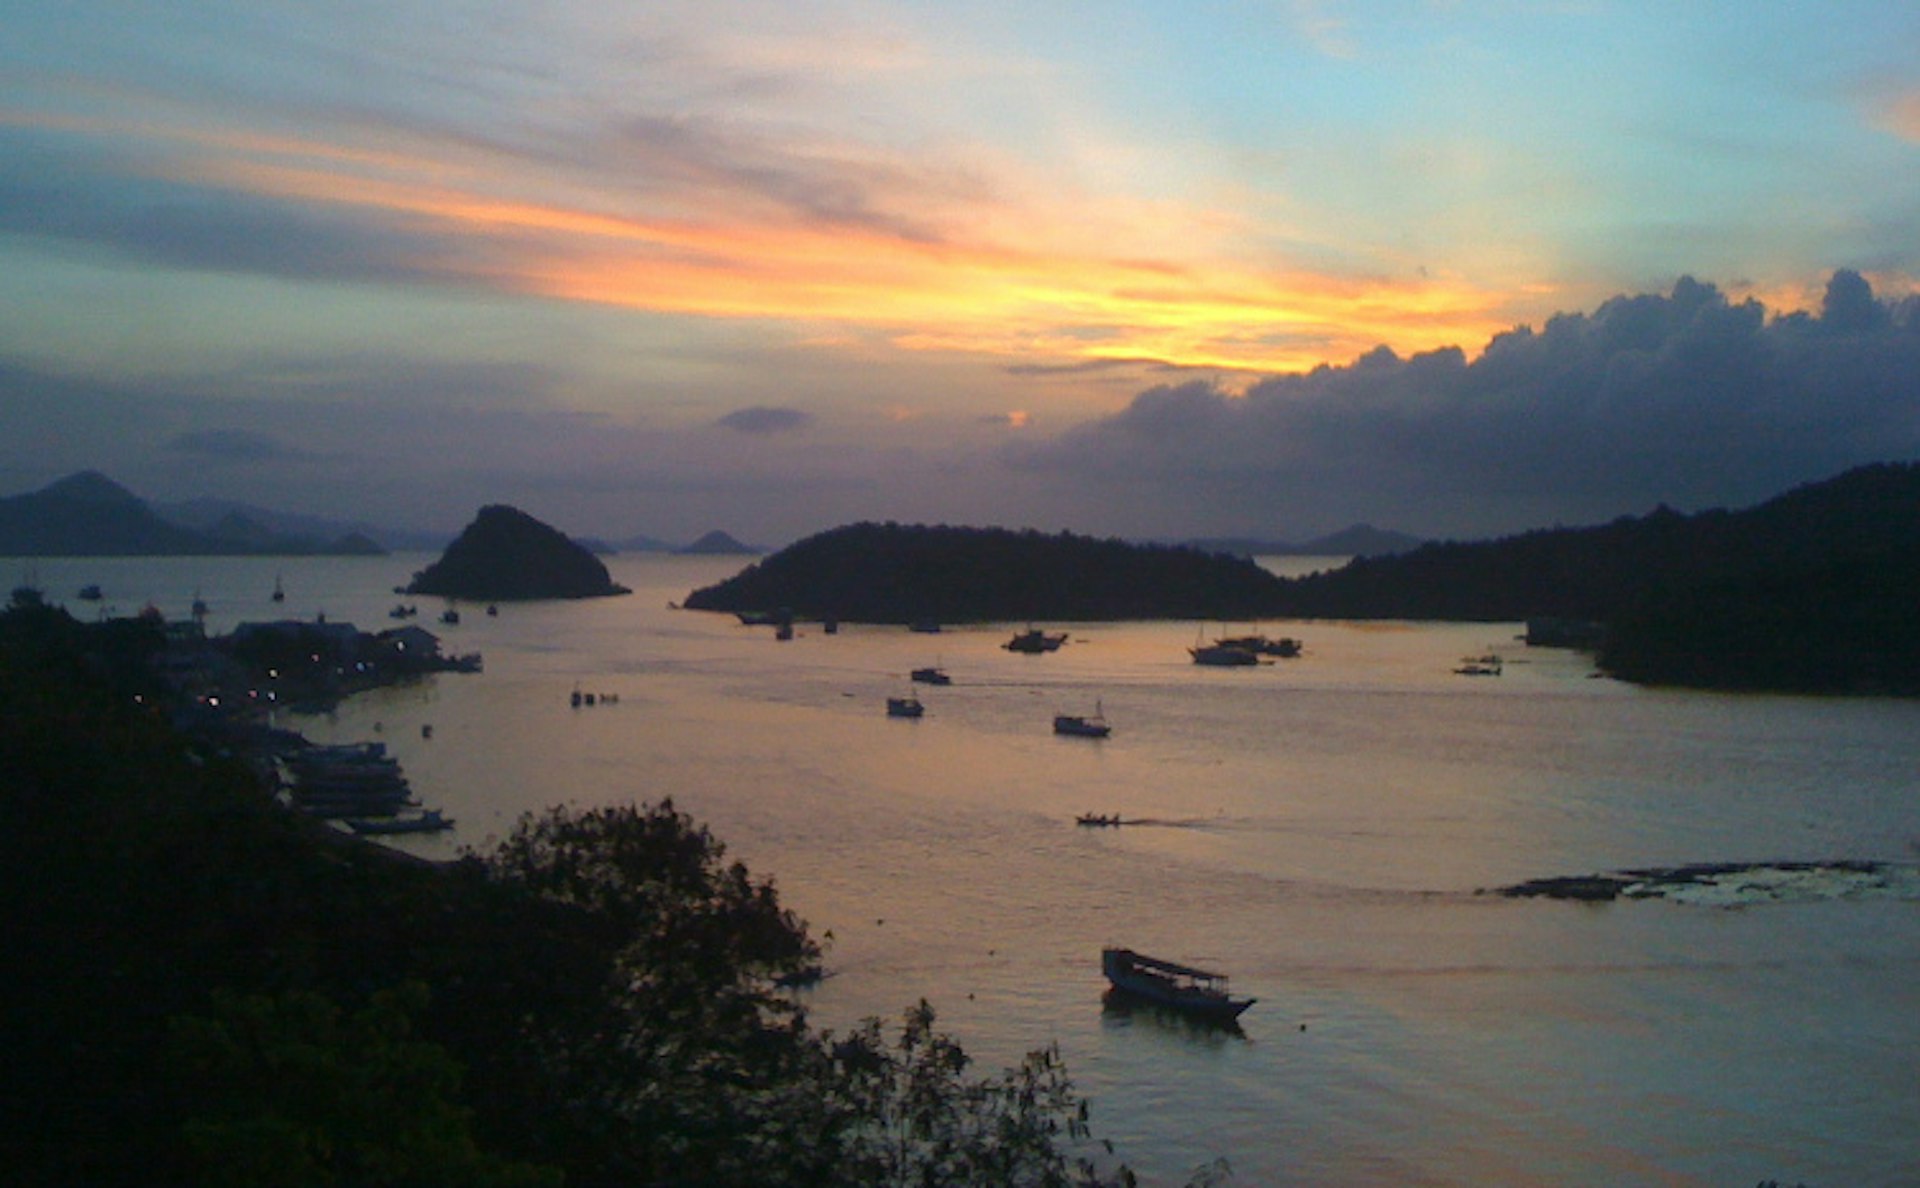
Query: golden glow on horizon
[[1046, 284], [976, 297]]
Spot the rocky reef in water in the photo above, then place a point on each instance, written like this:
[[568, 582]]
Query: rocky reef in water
[[506, 555], [1733, 884]]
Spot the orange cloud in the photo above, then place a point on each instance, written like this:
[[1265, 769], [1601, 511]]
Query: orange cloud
[[1034, 278], [1900, 115]]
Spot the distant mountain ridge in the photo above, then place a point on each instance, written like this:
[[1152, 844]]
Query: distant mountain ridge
[[205, 514], [717, 543], [88, 514], [1359, 540]]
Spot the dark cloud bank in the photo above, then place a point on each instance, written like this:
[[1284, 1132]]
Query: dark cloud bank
[[1686, 398]]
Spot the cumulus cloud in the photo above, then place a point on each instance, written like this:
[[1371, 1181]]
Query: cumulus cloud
[[1685, 397], [761, 419]]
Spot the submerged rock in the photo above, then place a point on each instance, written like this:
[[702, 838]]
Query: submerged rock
[[507, 555], [1735, 884]]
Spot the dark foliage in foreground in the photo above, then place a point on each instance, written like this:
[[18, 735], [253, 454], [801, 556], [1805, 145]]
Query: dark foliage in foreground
[[205, 989], [897, 573]]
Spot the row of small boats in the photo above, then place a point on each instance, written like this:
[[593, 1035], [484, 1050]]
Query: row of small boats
[[1092, 725]]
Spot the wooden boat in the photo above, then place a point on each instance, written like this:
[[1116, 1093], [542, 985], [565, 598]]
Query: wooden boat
[[931, 676], [1181, 987], [1094, 726], [1487, 665], [1034, 641], [1223, 655], [1097, 819], [1286, 647], [905, 707]]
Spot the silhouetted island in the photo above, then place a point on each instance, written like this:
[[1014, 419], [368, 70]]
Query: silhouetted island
[[717, 543], [895, 573], [506, 555], [1811, 591], [89, 515]]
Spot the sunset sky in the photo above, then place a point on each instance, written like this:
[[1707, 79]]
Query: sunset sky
[[1124, 268]]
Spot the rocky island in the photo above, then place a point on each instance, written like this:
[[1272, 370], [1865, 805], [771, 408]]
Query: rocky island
[[506, 555]]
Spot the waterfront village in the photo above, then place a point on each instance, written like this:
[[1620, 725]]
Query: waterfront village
[[227, 689]]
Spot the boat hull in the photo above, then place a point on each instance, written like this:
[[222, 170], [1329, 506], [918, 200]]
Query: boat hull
[[1145, 978]]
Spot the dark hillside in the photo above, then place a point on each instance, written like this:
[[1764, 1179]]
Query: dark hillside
[[507, 555], [894, 573], [1814, 590]]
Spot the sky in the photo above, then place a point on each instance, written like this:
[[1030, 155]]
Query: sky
[[1457, 268]]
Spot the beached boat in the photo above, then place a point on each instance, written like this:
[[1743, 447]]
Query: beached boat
[[431, 821], [1034, 641], [1182, 987], [1094, 726], [905, 707], [931, 676]]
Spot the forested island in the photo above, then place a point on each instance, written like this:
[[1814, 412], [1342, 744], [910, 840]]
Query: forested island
[[1812, 591], [895, 573], [506, 555], [207, 989]]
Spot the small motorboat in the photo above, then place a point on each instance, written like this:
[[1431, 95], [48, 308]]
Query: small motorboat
[[931, 676], [905, 707], [1097, 819]]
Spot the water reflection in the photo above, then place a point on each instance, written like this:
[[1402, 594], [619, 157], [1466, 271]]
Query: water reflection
[[1120, 1011]]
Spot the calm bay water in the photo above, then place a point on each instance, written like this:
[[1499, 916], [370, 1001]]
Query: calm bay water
[[1318, 828]]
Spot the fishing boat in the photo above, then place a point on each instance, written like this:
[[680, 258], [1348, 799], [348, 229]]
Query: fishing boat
[[1094, 726], [1487, 665], [91, 593], [1285, 647], [931, 676], [1097, 819], [905, 707], [1034, 641], [1223, 655], [279, 592], [1182, 987]]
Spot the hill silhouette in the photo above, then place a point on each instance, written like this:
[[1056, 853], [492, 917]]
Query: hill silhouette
[[717, 543], [893, 573], [1810, 591], [89, 515], [507, 555]]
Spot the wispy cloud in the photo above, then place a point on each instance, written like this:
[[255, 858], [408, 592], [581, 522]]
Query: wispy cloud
[[763, 420], [236, 445]]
